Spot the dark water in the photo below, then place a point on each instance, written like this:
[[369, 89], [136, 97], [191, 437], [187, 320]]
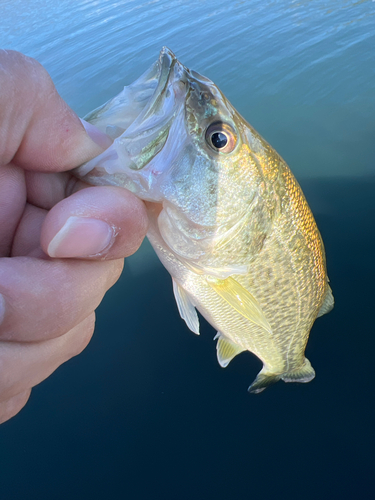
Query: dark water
[[145, 411]]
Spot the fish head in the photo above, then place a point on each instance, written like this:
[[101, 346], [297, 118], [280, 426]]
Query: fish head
[[180, 143]]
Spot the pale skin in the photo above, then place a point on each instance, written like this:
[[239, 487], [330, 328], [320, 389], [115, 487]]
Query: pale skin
[[62, 244]]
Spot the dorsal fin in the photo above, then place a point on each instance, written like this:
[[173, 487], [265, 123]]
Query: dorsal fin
[[328, 303], [226, 350]]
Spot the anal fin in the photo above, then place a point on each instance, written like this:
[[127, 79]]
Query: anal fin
[[226, 350], [186, 308]]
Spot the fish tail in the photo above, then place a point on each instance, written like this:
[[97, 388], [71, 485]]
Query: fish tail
[[265, 378], [303, 374]]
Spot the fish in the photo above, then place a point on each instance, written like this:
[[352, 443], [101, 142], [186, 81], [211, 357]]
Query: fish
[[228, 219]]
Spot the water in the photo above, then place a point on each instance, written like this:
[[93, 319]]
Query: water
[[146, 411]]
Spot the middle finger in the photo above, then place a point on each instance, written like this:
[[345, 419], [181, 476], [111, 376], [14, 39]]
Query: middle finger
[[42, 299]]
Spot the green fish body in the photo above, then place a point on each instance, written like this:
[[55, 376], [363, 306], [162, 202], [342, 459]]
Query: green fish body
[[228, 220]]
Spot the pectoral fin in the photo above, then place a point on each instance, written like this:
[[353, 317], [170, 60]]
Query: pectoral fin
[[186, 308], [241, 300], [226, 350]]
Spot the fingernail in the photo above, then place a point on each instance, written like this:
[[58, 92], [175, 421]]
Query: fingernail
[[81, 237], [2, 308], [99, 137]]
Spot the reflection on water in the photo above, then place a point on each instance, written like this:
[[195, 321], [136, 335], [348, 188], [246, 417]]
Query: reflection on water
[[301, 72], [145, 411]]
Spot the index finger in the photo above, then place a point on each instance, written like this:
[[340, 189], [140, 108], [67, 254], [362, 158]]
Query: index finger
[[38, 130]]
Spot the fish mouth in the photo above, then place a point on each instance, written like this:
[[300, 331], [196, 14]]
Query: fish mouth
[[166, 63], [138, 120]]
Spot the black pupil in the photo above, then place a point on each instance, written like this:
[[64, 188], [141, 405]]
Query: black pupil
[[219, 140]]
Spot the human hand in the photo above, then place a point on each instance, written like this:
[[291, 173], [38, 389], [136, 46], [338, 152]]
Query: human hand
[[61, 246]]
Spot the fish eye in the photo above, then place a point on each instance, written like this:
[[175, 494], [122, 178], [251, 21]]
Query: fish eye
[[221, 137]]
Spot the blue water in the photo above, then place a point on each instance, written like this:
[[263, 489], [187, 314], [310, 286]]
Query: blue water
[[146, 412]]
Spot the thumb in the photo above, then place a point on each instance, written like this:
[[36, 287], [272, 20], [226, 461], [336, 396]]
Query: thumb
[[38, 130]]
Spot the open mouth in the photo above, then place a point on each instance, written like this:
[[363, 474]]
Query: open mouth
[[138, 119], [116, 115]]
